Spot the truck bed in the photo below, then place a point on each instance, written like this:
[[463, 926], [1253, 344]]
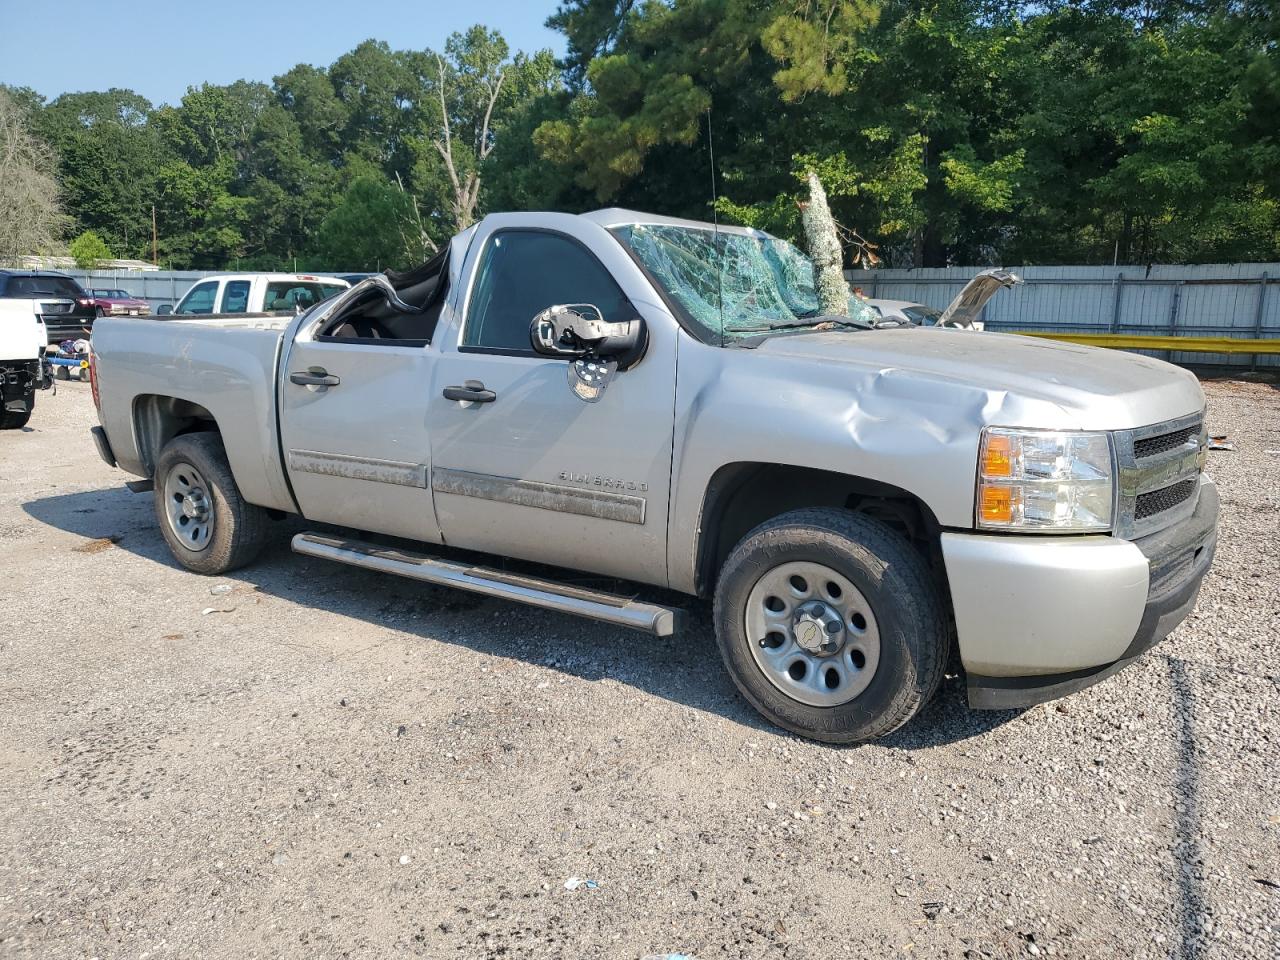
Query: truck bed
[[225, 365]]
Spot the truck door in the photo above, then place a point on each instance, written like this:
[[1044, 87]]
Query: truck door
[[526, 468], [353, 428]]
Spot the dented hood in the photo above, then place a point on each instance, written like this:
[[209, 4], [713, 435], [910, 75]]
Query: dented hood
[[965, 309], [1096, 389]]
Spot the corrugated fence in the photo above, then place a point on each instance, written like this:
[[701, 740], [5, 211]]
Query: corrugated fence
[[1220, 300], [1233, 300]]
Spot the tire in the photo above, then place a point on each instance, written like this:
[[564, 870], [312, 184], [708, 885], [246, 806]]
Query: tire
[[885, 643], [221, 531], [11, 420]]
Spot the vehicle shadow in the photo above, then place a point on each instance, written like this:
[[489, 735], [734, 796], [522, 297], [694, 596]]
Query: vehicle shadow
[[684, 669]]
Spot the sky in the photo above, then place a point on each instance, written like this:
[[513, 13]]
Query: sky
[[159, 48]]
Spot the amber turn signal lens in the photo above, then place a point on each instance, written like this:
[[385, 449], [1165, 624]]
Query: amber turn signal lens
[[997, 457], [997, 504]]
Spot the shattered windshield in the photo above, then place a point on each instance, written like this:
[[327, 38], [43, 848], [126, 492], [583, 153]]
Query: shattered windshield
[[754, 283]]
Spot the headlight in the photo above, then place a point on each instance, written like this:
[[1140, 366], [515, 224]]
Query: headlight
[[1040, 480]]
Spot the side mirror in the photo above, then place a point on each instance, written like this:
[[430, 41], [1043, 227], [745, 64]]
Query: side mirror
[[579, 332], [576, 330], [164, 310]]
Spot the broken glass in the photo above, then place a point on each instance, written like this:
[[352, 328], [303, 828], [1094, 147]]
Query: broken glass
[[733, 285]]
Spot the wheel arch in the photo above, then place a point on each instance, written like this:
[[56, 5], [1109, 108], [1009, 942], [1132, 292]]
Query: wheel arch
[[742, 495], [158, 419]]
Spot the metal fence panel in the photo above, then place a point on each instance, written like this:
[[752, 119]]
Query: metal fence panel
[[1231, 299], [1222, 299], [155, 286]]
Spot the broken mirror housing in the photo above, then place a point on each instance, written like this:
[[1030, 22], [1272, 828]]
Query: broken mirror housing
[[580, 330]]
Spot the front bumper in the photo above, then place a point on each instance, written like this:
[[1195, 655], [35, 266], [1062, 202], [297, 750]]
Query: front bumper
[[1039, 618]]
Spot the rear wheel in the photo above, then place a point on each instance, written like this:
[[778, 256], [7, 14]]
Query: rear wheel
[[831, 625], [209, 527]]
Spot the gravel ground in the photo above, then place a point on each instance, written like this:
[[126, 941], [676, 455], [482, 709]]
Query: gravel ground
[[333, 764]]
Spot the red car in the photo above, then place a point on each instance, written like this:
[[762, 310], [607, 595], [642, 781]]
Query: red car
[[119, 303]]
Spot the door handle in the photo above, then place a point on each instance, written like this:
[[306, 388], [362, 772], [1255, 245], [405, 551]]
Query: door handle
[[472, 390], [306, 378]]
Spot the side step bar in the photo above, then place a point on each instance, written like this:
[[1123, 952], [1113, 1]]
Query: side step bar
[[606, 607]]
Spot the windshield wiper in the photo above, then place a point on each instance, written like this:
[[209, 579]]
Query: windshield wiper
[[800, 323]]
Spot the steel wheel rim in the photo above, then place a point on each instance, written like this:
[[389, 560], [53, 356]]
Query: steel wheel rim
[[189, 507], [790, 617]]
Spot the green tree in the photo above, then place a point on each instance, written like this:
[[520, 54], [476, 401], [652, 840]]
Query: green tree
[[89, 250], [374, 226], [109, 157]]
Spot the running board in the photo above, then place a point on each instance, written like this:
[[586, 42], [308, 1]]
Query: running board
[[594, 604]]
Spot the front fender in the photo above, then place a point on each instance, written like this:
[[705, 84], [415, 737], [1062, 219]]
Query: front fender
[[892, 426]]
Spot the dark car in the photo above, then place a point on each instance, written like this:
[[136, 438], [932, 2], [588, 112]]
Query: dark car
[[66, 309]]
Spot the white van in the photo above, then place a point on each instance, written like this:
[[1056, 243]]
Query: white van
[[256, 293]]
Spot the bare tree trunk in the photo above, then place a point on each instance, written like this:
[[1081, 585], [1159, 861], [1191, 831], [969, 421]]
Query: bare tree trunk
[[466, 187], [825, 250], [31, 217]]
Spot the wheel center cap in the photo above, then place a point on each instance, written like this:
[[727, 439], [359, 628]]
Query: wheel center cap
[[194, 506], [818, 629]]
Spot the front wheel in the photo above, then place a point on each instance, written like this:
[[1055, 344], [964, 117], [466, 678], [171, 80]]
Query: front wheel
[[831, 625], [209, 527]]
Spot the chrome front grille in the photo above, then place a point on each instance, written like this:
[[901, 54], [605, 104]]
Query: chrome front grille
[[1166, 498], [1164, 442], [1158, 471]]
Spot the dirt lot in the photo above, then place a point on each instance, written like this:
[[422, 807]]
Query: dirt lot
[[333, 764]]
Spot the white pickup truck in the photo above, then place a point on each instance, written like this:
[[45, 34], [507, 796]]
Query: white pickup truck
[[239, 293], [658, 400]]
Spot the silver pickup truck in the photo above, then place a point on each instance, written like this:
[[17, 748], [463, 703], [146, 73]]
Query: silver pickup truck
[[658, 402]]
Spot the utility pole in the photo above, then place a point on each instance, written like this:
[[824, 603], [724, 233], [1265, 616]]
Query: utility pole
[[155, 255]]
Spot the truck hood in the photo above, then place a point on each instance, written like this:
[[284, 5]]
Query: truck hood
[[966, 308], [1027, 381]]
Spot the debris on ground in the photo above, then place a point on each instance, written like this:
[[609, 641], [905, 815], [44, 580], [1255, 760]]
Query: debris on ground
[[208, 610], [1219, 441], [575, 883], [98, 545], [221, 589]]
